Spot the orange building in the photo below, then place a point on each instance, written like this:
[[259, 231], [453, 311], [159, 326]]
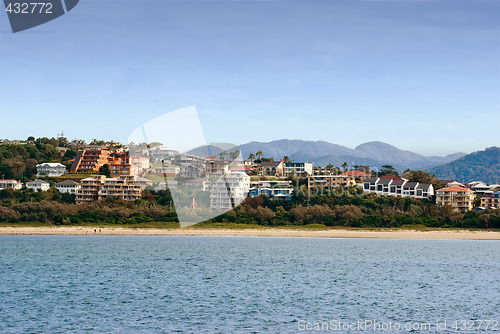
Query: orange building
[[89, 161], [460, 199]]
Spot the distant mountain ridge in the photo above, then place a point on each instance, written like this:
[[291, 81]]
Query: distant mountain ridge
[[373, 154], [477, 166]]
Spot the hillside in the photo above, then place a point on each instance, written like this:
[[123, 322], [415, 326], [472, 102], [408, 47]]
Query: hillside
[[480, 165], [374, 154]]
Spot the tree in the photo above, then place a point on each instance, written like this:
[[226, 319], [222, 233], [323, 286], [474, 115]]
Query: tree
[[418, 176], [388, 170], [286, 159], [345, 166], [259, 154], [251, 157]]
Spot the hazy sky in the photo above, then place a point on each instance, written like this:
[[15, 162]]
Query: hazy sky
[[420, 75]]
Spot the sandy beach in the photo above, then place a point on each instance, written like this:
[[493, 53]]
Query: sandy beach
[[268, 232]]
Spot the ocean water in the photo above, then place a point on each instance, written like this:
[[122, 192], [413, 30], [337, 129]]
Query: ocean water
[[145, 284]]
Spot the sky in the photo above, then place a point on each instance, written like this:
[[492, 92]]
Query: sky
[[422, 75]]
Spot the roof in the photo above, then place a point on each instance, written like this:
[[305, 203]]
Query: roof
[[270, 164], [384, 181], [371, 179], [424, 186], [8, 180], [410, 184], [68, 182], [37, 182], [357, 173], [392, 177], [454, 189], [397, 182], [51, 164]]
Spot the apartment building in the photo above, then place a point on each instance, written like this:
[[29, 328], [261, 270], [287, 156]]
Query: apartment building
[[229, 190], [492, 201], [358, 175], [298, 169], [98, 187], [460, 199], [121, 166], [50, 169], [89, 161], [397, 187], [329, 182]]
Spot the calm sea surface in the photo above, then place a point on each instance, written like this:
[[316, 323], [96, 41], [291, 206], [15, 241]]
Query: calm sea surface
[[134, 284]]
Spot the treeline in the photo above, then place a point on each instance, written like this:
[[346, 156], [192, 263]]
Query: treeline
[[54, 208], [349, 210], [19, 161]]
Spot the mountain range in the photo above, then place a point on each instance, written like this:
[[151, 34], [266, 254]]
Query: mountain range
[[321, 153], [477, 166]]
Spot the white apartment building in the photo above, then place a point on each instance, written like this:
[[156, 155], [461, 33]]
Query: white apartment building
[[68, 186], [229, 190]]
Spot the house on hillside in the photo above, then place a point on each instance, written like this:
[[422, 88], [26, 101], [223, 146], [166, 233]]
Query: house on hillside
[[38, 185], [395, 186], [270, 168], [12, 184], [50, 169]]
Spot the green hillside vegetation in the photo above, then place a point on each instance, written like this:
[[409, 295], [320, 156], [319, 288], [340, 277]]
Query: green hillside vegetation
[[482, 166]]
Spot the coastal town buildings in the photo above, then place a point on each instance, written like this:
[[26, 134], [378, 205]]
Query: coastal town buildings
[[50, 169], [89, 161], [358, 176], [275, 190], [397, 187], [492, 201], [460, 199], [329, 182], [229, 190], [38, 185], [270, 168], [99, 187], [298, 169], [10, 184], [68, 186]]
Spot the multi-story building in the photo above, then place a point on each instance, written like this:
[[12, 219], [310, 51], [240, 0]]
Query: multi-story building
[[68, 186], [13, 184], [492, 201], [89, 161], [460, 199], [270, 168], [162, 153], [329, 182], [89, 191], [50, 169], [38, 185], [122, 187], [229, 190], [216, 167], [397, 187], [142, 164], [358, 175], [275, 190], [120, 166], [98, 187], [298, 169]]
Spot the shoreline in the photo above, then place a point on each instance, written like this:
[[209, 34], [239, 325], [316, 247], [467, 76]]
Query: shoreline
[[265, 232]]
